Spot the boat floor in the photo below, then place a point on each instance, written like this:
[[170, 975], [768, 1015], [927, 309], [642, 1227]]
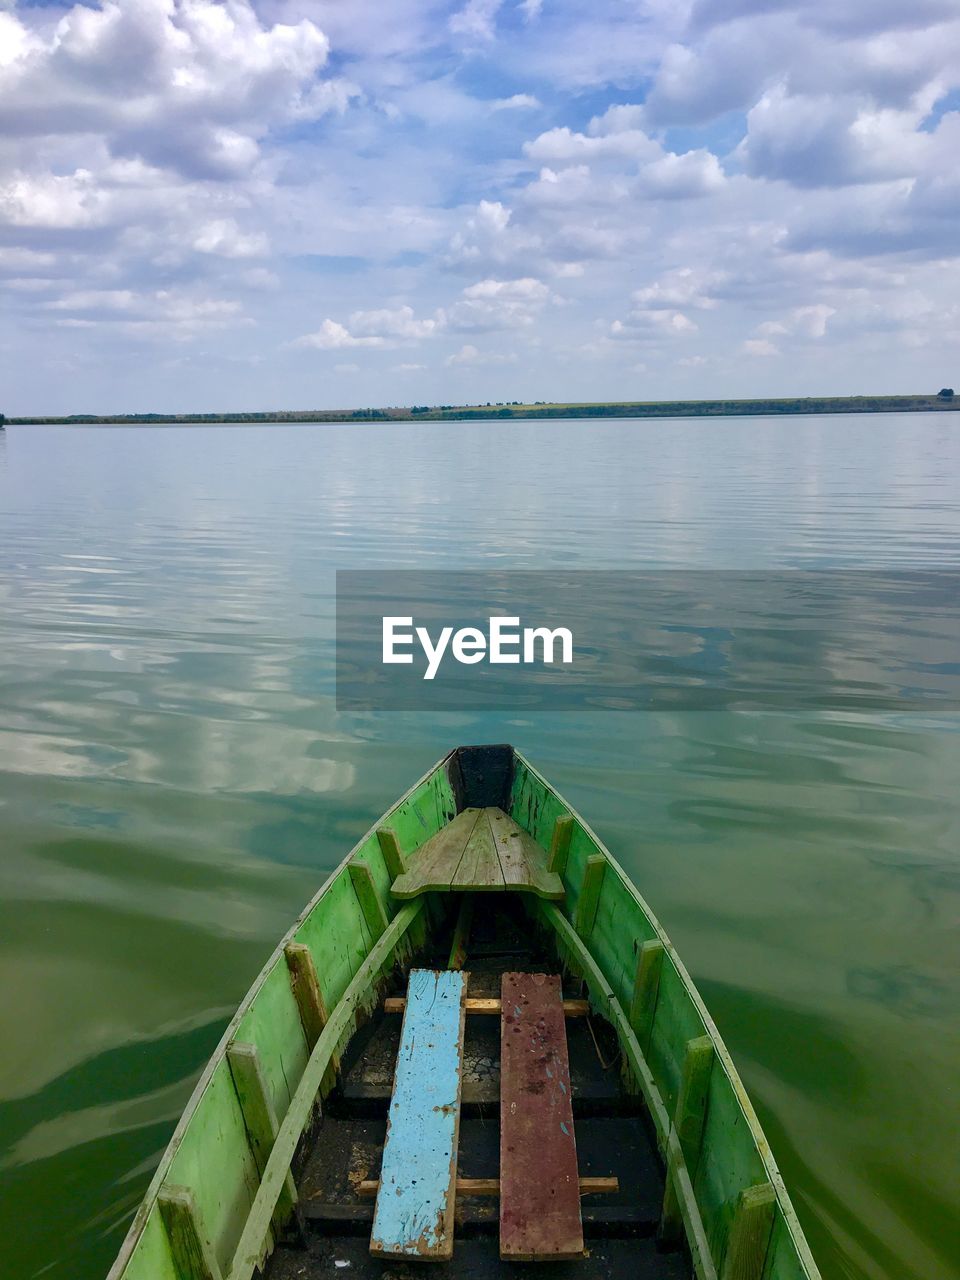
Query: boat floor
[[613, 1138]]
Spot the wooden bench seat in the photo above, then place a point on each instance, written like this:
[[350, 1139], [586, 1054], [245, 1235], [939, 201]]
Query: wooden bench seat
[[539, 1178], [413, 1217], [482, 850]]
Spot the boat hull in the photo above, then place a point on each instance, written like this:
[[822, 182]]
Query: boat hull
[[724, 1194]]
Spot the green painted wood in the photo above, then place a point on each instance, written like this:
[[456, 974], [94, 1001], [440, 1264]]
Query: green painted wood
[[577, 957], [191, 1250], [306, 990], [676, 1021], [643, 1003], [560, 843], [424, 811], [272, 1023], [152, 1259], [371, 856], [259, 1117], [215, 1163], [670, 1228], [750, 1234], [392, 853], [479, 867], [209, 1152], [361, 994], [681, 1213], [336, 933], [368, 898], [687, 1131], [734, 1153], [461, 932], [728, 1161], [691, 1106], [536, 806], [589, 896], [783, 1260]]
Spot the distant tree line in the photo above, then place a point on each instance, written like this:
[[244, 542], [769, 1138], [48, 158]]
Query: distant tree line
[[943, 400]]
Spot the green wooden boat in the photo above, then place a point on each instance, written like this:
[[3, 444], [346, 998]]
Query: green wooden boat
[[479, 951]]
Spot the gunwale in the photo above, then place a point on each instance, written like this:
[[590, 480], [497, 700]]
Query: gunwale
[[723, 1055], [203, 1082], [760, 1143]]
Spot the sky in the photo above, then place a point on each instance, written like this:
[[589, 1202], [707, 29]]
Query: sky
[[334, 203]]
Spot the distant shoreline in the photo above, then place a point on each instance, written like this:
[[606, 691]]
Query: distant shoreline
[[539, 410]]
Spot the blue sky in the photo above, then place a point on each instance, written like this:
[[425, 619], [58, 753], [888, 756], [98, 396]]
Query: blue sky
[[322, 203]]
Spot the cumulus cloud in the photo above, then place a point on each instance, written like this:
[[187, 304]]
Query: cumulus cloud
[[808, 322], [183, 84], [516, 102], [398, 323], [760, 347], [470, 355], [564, 145], [333, 336], [680, 177], [642, 324], [225, 239], [682, 287], [825, 141], [500, 304], [60, 202], [486, 306], [175, 314], [477, 20]]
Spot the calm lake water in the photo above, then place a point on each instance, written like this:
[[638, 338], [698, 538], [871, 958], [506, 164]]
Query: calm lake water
[[175, 780]]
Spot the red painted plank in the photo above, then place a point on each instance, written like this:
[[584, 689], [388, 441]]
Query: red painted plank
[[539, 1179]]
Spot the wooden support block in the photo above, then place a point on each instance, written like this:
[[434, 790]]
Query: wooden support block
[[750, 1231], [491, 1005], [461, 933], [691, 1106], [306, 990], [589, 898], [646, 987], [192, 1252], [683, 1152], [491, 1186], [260, 1120], [670, 1229], [539, 1181], [370, 904], [677, 1197], [392, 853], [560, 844], [414, 1213], [305, 986]]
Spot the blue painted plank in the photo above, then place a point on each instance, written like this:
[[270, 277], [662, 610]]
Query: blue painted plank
[[414, 1213]]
